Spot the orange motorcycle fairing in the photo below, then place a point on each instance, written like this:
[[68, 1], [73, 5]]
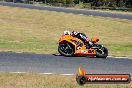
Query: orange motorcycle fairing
[[78, 45]]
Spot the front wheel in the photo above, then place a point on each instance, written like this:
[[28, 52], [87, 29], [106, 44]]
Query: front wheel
[[102, 52], [66, 49]]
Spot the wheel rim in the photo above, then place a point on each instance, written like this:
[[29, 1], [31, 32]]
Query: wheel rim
[[66, 49], [101, 50]]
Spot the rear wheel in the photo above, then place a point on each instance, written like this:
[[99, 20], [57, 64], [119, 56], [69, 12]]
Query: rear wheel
[[66, 49]]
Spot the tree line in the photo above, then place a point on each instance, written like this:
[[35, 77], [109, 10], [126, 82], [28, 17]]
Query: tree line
[[96, 3], [85, 3]]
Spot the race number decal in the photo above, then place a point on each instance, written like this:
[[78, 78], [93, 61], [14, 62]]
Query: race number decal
[[91, 51]]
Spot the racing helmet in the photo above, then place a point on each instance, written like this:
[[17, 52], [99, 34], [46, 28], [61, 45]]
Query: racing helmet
[[74, 33], [67, 32]]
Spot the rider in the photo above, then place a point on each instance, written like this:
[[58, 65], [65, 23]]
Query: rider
[[81, 36]]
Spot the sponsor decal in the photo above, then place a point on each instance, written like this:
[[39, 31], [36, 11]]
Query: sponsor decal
[[91, 51], [84, 51]]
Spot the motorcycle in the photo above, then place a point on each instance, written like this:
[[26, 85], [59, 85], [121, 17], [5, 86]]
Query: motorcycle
[[72, 46]]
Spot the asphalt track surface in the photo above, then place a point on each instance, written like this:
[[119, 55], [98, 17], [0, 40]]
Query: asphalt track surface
[[68, 10], [44, 63]]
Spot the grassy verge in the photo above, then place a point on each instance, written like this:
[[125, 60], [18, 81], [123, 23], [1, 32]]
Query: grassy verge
[[47, 81], [36, 31]]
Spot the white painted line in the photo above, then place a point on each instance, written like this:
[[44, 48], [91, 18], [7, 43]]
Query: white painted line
[[47, 73], [81, 14], [18, 72], [90, 15], [109, 56], [19, 52], [120, 57], [67, 74], [123, 57]]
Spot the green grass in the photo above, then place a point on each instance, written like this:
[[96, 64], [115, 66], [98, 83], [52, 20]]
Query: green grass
[[37, 31], [8, 80]]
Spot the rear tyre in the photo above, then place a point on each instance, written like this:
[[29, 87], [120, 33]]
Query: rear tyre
[[102, 52], [66, 49]]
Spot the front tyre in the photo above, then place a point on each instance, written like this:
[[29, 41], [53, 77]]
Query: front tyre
[[66, 49], [102, 52]]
